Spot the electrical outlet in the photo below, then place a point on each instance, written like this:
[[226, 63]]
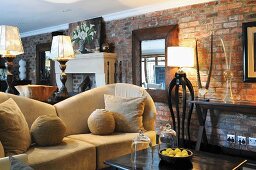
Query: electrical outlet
[[252, 141], [231, 138], [241, 140]]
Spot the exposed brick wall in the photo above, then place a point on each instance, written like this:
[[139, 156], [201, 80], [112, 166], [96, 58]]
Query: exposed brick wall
[[197, 21], [29, 45]]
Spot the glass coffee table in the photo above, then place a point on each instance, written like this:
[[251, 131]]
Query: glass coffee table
[[200, 161]]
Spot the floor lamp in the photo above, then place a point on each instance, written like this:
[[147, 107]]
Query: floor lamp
[[180, 57], [62, 51], [10, 46]]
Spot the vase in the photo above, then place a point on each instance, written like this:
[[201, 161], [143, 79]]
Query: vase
[[22, 69], [82, 47], [228, 98]]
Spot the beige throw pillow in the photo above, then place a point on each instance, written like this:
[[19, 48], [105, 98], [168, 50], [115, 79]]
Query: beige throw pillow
[[127, 112], [48, 130], [14, 131], [101, 122]]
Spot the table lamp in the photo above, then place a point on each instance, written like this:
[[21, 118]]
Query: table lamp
[[62, 51], [10, 46], [180, 57]]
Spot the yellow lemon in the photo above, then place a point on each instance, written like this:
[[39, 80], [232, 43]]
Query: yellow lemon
[[184, 154], [164, 153], [184, 151], [169, 149], [177, 150], [178, 154], [170, 155], [171, 152]]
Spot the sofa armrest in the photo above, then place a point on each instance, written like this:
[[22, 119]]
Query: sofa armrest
[[5, 163]]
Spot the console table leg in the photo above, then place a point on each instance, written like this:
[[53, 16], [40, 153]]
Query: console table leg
[[201, 132]]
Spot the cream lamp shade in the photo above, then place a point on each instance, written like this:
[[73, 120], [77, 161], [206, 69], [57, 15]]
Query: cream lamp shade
[[180, 56], [62, 49], [10, 42]]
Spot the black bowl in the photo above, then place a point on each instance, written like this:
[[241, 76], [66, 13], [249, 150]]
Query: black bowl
[[176, 160]]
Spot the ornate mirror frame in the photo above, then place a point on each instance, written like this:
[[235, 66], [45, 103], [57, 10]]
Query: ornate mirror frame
[[170, 34]]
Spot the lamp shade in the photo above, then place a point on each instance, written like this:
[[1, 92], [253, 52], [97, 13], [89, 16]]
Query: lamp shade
[[180, 56], [62, 48], [10, 42]]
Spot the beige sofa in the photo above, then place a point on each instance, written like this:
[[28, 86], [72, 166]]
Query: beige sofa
[[80, 149]]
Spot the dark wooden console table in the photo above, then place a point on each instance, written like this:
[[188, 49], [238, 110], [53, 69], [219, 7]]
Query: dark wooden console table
[[202, 108]]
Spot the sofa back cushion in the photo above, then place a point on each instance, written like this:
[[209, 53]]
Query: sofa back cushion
[[30, 108], [75, 110]]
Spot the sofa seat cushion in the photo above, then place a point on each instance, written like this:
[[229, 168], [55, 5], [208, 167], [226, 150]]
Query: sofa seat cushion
[[70, 154], [111, 146]]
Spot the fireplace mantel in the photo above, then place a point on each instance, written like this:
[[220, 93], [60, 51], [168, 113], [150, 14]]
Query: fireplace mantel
[[89, 63]]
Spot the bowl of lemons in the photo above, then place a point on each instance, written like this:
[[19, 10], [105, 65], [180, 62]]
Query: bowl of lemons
[[173, 155]]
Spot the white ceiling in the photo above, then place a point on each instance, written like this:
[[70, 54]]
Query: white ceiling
[[30, 15]]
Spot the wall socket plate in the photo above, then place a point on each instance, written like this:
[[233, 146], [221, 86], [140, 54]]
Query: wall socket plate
[[252, 141], [241, 140], [231, 138]]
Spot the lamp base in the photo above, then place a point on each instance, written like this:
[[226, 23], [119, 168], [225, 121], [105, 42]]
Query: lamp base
[[180, 80], [59, 96], [63, 92], [9, 79]]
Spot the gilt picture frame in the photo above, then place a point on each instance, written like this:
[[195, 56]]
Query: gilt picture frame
[[249, 51]]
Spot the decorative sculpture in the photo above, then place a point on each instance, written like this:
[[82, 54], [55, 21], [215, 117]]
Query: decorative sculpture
[[22, 69], [203, 90]]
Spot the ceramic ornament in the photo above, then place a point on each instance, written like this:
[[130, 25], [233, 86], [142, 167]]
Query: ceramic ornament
[[22, 69]]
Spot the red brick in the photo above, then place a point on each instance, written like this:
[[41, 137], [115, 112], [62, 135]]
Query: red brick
[[187, 30], [222, 31], [230, 24], [220, 19], [234, 5], [194, 23], [236, 17], [254, 9]]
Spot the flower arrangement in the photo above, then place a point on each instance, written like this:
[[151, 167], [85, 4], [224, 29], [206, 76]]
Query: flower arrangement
[[83, 33]]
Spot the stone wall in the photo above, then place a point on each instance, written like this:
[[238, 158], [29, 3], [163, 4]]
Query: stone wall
[[198, 21]]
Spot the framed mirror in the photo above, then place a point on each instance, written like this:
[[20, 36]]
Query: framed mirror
[[45, 70], [149, 53], [153, 64]]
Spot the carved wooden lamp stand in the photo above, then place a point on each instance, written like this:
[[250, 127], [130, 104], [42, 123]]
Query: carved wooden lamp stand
[[10, 46], [180, 57], [62, 51]]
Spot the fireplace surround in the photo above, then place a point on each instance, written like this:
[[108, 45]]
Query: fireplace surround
[[100, 64]]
